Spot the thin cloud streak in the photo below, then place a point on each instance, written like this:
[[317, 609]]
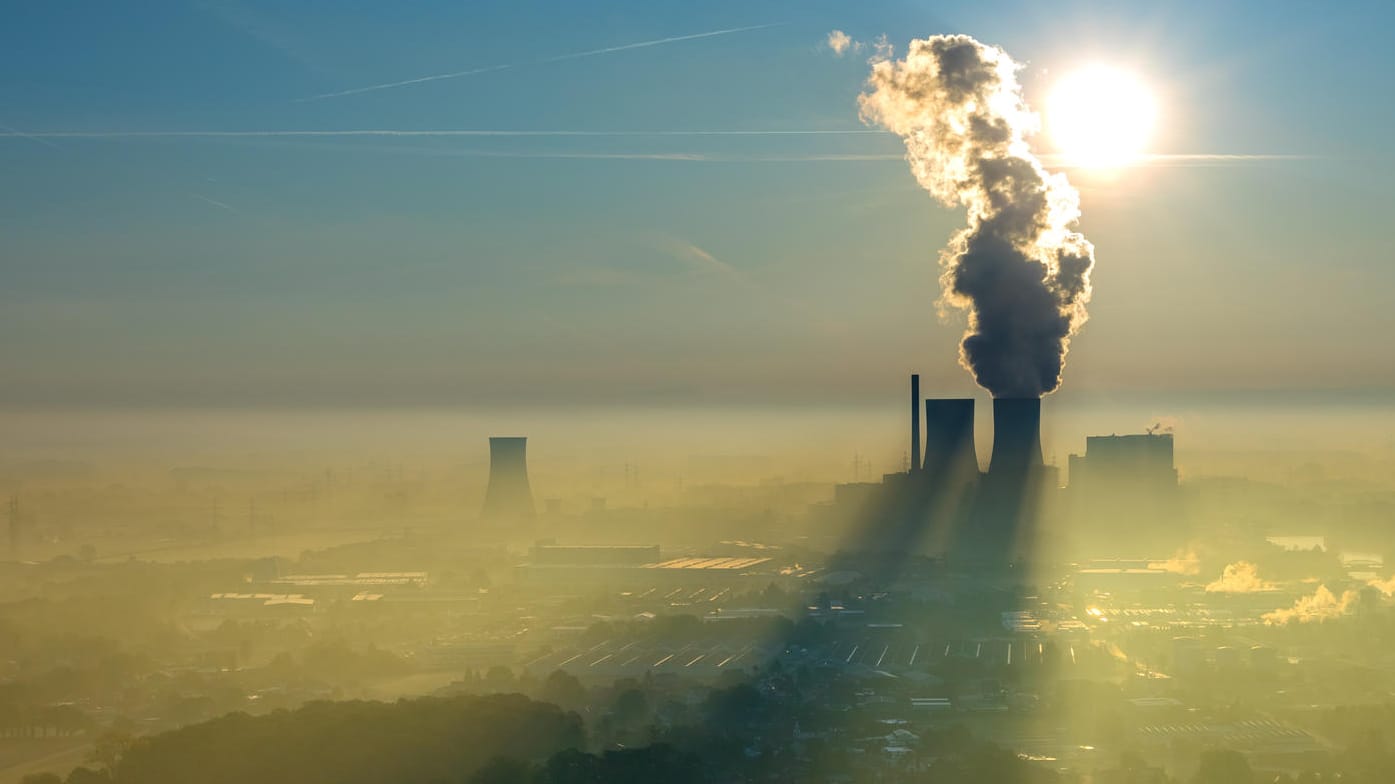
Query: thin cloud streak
[[1180, 159], [659, 42], [426, 133], [686, 157], [214, 202], [702, 157], [1053, 161], [39, 139], [403, 83], [555, 59]]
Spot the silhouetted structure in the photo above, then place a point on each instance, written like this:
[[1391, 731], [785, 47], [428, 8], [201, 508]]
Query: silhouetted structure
[[509, 496], [1123, 496], [943, 504], [1007, 508], [15, 533], [950, 453], [1143, 460], [915, 422], [1016, 435]]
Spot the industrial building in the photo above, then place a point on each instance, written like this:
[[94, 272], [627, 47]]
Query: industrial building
[[642, 564], [1142, 460], [593, 555], [1123, 495]]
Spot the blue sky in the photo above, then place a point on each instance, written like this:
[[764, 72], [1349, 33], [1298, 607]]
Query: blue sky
[[640, 261]]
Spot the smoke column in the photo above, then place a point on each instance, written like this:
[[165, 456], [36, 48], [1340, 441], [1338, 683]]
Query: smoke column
[[1018, 268]]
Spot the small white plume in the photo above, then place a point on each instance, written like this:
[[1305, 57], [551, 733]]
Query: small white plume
[[1182, 562], [1239, 577], [1323, 605], [1386, 587]]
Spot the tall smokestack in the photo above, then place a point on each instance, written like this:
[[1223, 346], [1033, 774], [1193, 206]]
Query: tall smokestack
[[508, 495], [915, 422], [949, 438], [1016, 435]]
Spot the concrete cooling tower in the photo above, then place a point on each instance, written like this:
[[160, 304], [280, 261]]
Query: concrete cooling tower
[[508, 496], [1016, 436], [949, 439]]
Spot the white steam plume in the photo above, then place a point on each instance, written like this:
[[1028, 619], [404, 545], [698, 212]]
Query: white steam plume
[[1182, 562], [1323, 605], [1019, 268], [1239, 577], [1386, 587]]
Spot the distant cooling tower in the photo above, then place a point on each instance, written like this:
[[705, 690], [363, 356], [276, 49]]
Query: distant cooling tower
[[508, 496], [949, 438], [1016, 435]]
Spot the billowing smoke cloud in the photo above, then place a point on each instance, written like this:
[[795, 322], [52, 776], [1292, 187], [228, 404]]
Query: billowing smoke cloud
[[1321, 606], [1018, 268], [1239, 577]]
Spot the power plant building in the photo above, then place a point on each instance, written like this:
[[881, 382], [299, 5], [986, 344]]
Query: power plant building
[[1123, 495], [1144, 460], [1123, 499], [943, 502]]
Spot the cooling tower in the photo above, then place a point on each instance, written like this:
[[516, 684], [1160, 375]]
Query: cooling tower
[[949, 438], [1016, 435], [915, 422], [508, 496]]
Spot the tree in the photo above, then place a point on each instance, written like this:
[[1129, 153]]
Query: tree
[[1223, 766], [109, 749], [88, 776], [499, 679], [631, 706], [503, 770], [573, 767], [563, 688]]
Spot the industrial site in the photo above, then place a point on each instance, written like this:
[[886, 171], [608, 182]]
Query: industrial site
[[1070, 613], [775, 392]]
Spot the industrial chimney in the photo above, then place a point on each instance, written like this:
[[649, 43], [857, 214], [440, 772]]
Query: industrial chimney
[[508, 495], [1016, 435], [915, 422], [949, 438]]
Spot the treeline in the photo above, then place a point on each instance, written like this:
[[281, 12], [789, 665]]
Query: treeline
[[420, 741], [735, 735]]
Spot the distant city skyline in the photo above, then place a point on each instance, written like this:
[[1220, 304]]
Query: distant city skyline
[[538, 203]]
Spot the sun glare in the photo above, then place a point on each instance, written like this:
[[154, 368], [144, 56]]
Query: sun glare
[[1100, 117]]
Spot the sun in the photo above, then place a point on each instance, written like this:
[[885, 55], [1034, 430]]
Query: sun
[[1100, 117]]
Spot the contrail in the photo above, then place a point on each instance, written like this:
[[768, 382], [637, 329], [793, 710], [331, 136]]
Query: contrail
[[658, 42], [214, 202], [1053, 161], [1182, 159], [558, 58], [31, 137], [403, 83], [427, 133]]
